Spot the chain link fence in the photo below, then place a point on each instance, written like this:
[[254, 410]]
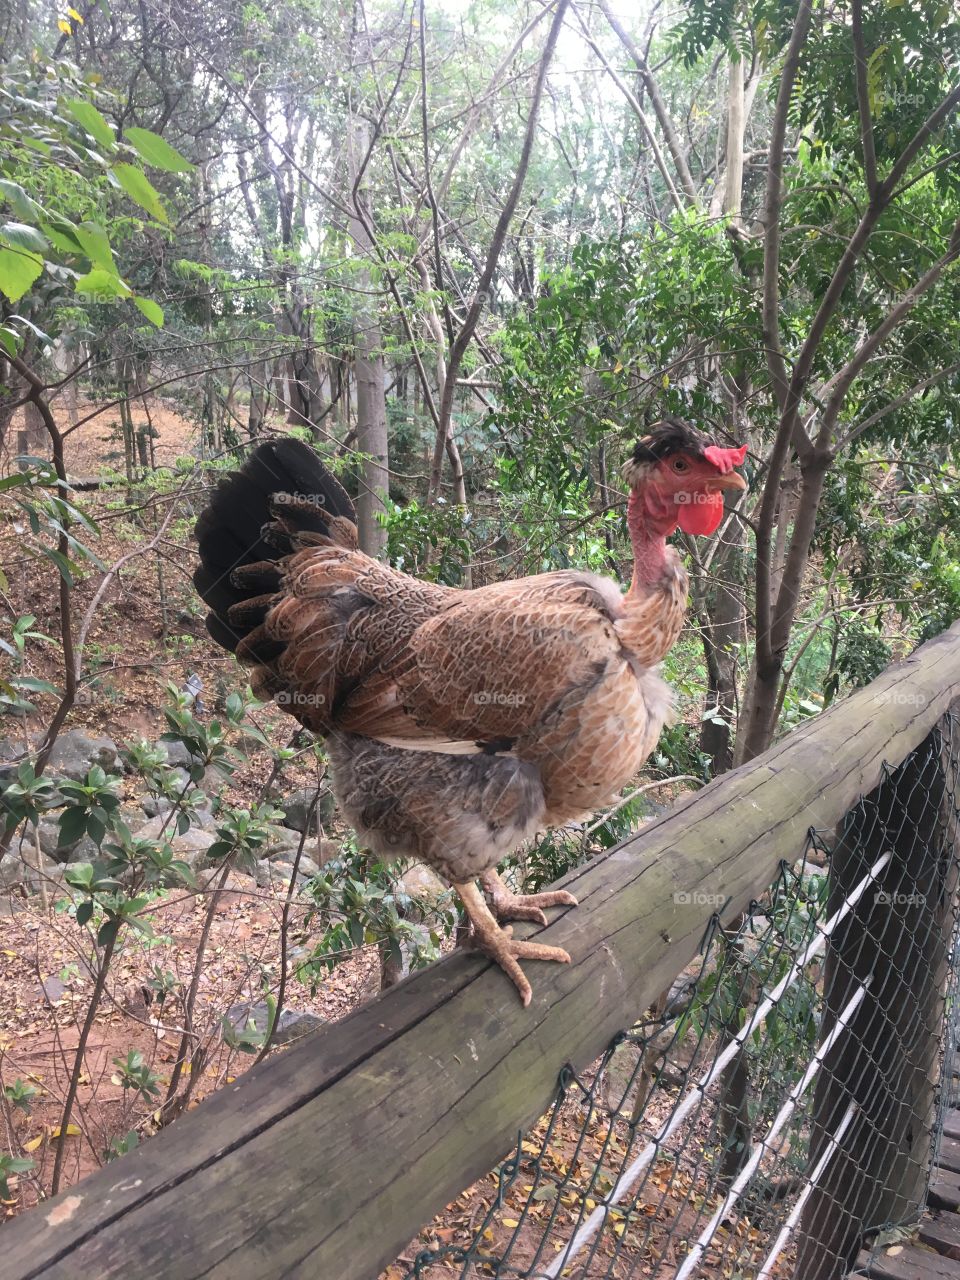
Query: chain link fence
[[779, 1112]]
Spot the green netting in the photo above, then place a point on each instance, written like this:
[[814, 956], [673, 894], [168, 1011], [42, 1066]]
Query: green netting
[[782, 1107]]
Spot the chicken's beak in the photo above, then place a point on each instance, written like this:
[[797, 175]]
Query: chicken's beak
[[732, 480]]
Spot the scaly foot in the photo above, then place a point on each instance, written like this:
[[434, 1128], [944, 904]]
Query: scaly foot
[[500, 946], [508, 905]]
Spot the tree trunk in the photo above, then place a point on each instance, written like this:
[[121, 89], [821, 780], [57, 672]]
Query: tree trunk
[[722, 638], [33, 438], [733, 186], [369, 373], [257, 409], [758, 720]]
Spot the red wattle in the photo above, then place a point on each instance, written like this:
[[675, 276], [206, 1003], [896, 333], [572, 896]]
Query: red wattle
[[702, 515]]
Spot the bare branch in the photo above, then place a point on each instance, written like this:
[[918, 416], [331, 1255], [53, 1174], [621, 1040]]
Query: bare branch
[[645, 123], [462, 340], [771, 331], [656, 101]]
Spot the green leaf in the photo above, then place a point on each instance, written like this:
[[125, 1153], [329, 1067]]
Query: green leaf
[[9, 340], [18, 270], [156, 151], [139, 188], [151, 310], [34, 684], [89, 118], [62, 234], [84, 912], [73, 823], [102, 286], [23, 206], [107, 932], [95, 244], [20, 236], [62, 563]]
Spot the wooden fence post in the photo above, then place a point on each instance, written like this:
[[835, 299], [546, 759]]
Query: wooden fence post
[[897, 942]]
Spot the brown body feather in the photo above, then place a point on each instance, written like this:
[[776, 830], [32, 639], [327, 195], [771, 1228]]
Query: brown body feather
[[557, 670]]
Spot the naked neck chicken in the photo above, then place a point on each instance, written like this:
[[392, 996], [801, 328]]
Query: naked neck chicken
[[458, 723]]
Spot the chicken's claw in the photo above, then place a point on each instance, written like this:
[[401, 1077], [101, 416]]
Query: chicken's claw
[[500, 945], [508, 905]]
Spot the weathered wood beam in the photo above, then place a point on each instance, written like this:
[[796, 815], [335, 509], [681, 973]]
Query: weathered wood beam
[[326, 1160]]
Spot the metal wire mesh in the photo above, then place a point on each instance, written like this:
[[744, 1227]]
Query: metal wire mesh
[[783, 1104]]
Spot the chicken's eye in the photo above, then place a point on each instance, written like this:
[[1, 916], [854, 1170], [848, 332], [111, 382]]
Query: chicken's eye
[[680, 465]]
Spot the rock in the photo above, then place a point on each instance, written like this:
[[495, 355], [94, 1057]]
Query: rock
[[190, 847], [12, 871], [291, 1024], [296, 808], [238, 888], [420, 882], [53, 989], [267, 874], [282, 842], [82, 850], [278, 872], [160, 806], [11, 754], [17, 869], [75, 752], [326, 850], [178, 755], [154, 805], [181, 761]]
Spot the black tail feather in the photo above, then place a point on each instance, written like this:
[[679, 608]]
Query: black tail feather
[[251, 522], [256, 578]]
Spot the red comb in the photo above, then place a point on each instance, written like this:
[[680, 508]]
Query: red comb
[[725, 459]]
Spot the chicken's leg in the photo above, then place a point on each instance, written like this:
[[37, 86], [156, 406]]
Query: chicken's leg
[[508, 905], [498, 944]]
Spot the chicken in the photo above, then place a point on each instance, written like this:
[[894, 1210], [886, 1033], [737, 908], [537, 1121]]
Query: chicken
[[458, 723]]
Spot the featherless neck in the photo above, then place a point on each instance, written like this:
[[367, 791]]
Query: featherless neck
[[650, 519]]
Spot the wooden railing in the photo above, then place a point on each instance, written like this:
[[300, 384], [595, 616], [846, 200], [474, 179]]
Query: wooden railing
[[324, 1161]]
